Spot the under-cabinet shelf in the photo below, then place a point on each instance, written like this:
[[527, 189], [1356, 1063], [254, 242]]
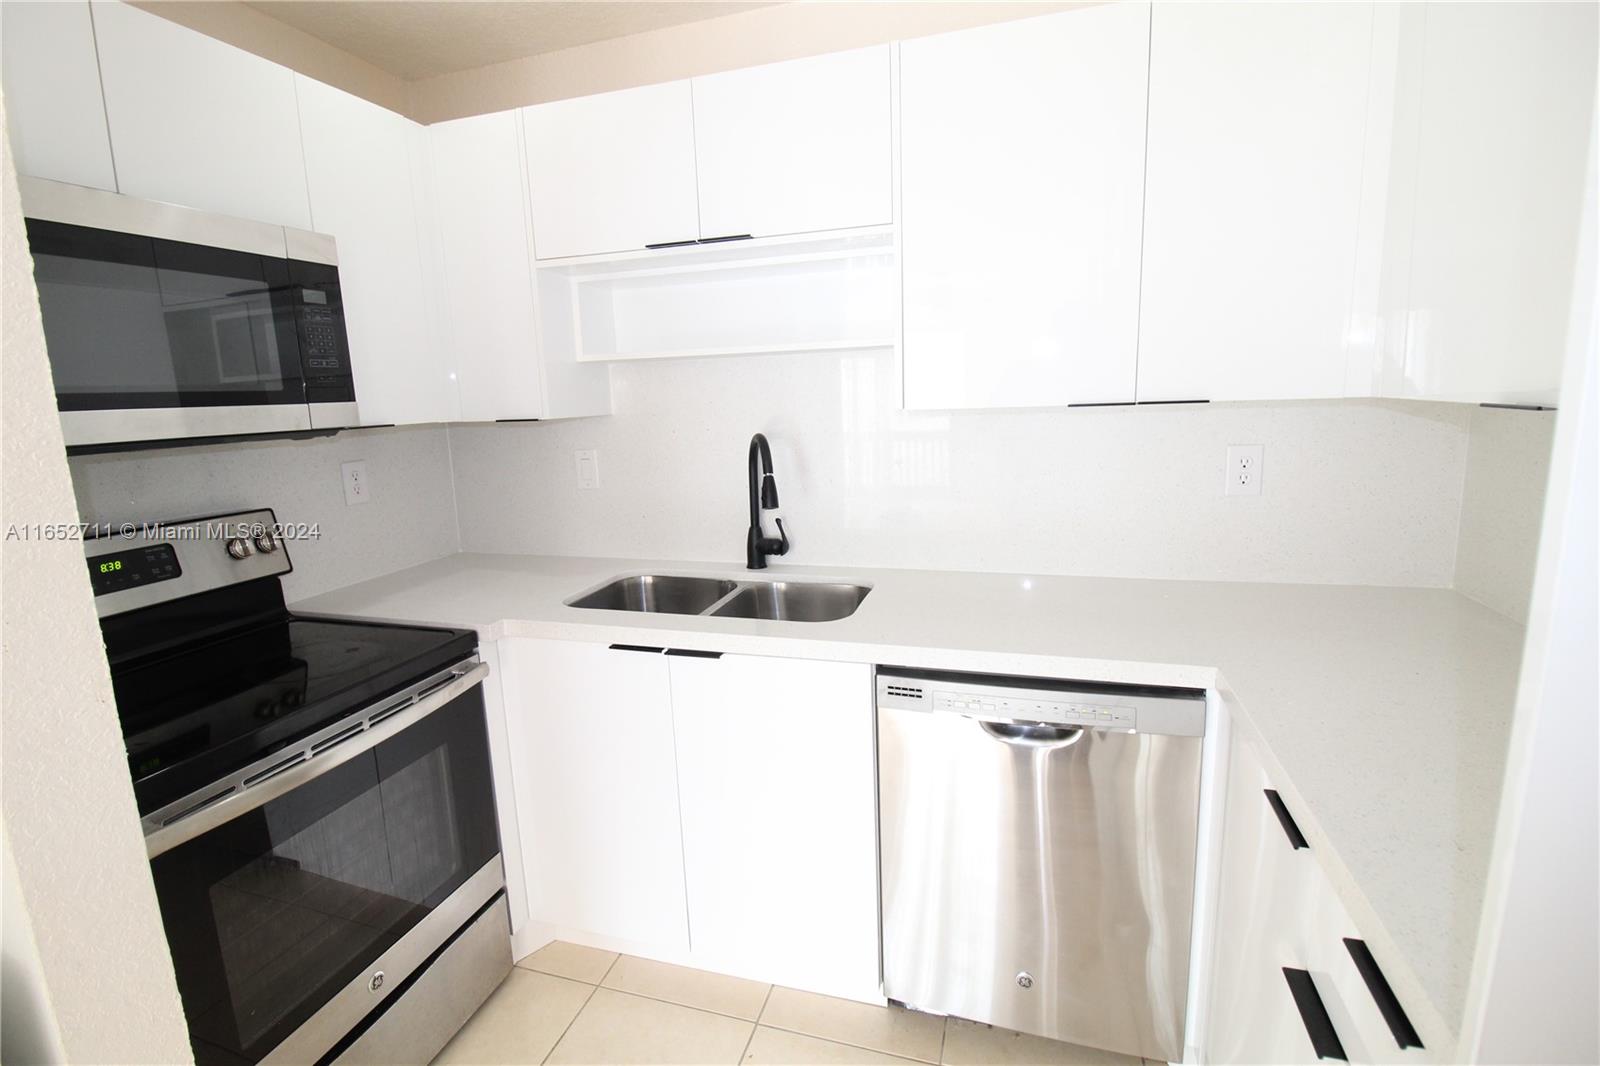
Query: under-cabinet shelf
[[816, 292]]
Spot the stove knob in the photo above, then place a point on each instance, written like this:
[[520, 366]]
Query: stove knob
[[240, 548], [266, 543]]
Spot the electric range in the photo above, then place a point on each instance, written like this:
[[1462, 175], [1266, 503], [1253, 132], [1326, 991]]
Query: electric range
[[316, 798]]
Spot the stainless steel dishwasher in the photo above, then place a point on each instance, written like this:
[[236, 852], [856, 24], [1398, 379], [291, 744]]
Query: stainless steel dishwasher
[[1038, 854]]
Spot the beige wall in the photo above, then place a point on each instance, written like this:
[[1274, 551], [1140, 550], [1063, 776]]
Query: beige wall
[[99, 976], [743, 39]]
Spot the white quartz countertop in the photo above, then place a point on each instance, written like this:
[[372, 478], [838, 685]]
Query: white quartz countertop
[[1385, 710]]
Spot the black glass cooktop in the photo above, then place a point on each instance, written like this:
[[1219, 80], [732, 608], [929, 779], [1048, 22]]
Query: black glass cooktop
[[192, 716]]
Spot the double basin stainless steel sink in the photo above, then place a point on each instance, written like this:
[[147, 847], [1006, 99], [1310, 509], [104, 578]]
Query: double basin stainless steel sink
[[789, 601]]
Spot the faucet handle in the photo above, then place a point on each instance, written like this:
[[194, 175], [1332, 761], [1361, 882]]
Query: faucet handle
[[783, 538]]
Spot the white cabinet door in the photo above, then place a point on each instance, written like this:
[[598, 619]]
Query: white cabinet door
[[1277, 908], [776, 773], [1253, 195], [1261, 896], [1022, 175], [597, 791], [612, 172], [1506, 101], [795, 147], [197, 122], [480, 209], [54, 111], [359, 174]]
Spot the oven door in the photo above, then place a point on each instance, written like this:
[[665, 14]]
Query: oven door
[[296, 905]]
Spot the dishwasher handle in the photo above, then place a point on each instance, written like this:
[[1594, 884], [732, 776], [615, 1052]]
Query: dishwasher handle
[[1033, 734]]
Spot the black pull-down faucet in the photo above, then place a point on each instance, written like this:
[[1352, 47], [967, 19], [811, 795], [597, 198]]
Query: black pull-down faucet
[[763, 497]]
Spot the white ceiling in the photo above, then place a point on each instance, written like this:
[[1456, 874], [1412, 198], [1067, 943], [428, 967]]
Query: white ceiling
[[422, 38]]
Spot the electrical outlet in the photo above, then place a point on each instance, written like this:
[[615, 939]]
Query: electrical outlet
[[357, 489], [1243, 470], [588, 463]]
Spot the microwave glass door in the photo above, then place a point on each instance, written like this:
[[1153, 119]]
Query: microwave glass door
[[272, 913], [140, 322]]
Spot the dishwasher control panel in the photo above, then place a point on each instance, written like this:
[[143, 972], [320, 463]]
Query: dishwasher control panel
[[1128, 708], [1059, 712]]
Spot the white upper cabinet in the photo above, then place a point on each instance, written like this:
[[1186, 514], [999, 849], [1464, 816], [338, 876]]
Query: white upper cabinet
[[197, 122], [481, 263], [613, 172], [1504, 102], [481, 214], [54, 109], [795, 147], [359, 173], [792, 147], [1022, 170], [1253, 197]]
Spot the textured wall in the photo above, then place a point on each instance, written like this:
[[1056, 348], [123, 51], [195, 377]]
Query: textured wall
[[1364, 492], [1502, 505], [409, 519], [745, 39], [70, 823]]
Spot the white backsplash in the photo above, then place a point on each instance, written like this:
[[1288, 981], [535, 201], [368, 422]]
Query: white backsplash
[[410, 518], [1363, 492], [1508, 467]]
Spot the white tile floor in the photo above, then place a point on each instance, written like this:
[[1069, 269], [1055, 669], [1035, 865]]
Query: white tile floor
[[570, 1004]]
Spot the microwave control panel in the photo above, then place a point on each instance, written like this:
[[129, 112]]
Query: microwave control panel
[[319, 334]]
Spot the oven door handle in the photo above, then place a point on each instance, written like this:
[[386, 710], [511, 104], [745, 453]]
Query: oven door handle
[[322, 756]]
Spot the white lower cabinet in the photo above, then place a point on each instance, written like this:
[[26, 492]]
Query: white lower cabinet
[[715, 811], [776, 785], [597, 790], [1279, 911]]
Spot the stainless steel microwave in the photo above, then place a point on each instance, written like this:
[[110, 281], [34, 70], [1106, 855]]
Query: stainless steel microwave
[[164, 323]]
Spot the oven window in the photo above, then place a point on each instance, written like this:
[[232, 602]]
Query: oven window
[[134, 321], [271, 914]]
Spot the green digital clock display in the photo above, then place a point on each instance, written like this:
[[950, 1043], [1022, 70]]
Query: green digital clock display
[[132, 568]]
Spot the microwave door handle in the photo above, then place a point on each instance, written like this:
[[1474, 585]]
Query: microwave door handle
[[325, 754]]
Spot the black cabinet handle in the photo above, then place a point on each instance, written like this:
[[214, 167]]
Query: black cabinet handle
[[702, 240], [1290, 830], [694, 654], [637, 647], [1313, 1015], [1388, 1004]]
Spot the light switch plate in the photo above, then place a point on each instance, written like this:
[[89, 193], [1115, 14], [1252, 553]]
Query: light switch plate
[[588, 463], [357, 489], [1244, 468]]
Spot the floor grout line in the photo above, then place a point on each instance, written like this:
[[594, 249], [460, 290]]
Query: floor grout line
[[751, 1038], [858, 1047], [756, 1023], [592, 990], [685, 1006]]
